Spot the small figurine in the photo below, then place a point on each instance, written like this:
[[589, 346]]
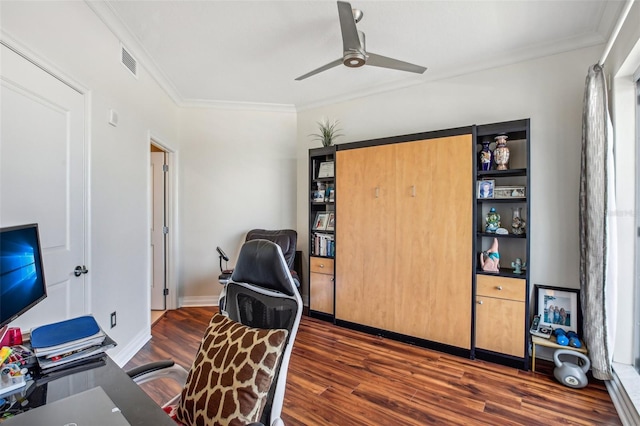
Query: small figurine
[[518, 265], [493, 221], [490, 259]]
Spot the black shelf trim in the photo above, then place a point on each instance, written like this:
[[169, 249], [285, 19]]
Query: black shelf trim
[[321, 316], [504, 359], [491, 234], [407, 138], [502, 200], [504, 272], [416, 341], [502, 173]]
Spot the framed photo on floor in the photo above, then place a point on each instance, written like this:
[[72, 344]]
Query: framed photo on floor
[[559, 307]]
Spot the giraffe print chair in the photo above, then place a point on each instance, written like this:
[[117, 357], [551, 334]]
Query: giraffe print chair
[[239, 374]]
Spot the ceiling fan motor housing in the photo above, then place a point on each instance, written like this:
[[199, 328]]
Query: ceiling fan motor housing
[[356, 58]]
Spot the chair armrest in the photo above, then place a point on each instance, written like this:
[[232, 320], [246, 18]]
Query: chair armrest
[[160, 370], [157, 370], [149, 367]]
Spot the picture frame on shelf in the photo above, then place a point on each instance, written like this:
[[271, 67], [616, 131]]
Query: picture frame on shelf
[[331, 222], [486, 189], [318, 196], [509, 192], [558, 307], [320, 222], [326, 169]]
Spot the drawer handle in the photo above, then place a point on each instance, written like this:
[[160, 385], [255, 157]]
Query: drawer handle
[[480, 302], [377, 191], [499, 287], [321, 265]]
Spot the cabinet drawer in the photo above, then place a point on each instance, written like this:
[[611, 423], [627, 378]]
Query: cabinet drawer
[[501, 287], [321, 265]]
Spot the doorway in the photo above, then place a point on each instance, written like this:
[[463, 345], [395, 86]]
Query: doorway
[[159, 171]]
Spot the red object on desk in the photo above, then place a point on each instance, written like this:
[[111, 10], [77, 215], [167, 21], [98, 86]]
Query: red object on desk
[[13, 337]]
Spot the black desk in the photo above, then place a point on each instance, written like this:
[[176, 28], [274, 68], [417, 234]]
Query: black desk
[[137, 406]]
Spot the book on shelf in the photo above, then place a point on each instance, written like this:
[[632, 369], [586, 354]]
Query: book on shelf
[[323, 245]]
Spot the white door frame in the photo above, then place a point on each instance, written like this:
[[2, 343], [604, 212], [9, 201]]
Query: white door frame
[[21, 49], [171, 221]]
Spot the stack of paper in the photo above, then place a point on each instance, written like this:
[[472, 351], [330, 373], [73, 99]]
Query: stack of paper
[[68, 342]]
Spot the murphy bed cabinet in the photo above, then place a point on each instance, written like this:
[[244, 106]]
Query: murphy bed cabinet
[[502, 300], [407, 235], [404, 236], [322, 192]]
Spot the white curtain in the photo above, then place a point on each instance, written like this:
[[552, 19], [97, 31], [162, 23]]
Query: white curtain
[[598, 226]]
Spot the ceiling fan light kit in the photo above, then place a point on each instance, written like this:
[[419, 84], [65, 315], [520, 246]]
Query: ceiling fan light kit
[[354, 48]]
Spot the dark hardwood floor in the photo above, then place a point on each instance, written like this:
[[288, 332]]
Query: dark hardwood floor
[[339, 376]]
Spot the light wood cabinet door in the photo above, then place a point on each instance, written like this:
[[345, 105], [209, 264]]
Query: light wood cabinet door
[[365, 245], [500, 325], [321, 287], [433, 238], [321, 293], [405, 213]]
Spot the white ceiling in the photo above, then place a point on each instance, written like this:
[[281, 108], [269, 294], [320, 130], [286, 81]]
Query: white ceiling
[[250, 52]]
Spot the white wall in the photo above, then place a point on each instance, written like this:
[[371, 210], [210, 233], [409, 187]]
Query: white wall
[[238, 172], [70, 36], [549, 91]]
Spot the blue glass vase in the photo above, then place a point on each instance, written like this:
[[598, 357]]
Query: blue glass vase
[[485, 156]]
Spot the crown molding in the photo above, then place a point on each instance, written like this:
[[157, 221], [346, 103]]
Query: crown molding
[[244, 106]]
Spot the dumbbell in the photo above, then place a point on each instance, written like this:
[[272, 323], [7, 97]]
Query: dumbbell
[[561, 337], [574, 340]]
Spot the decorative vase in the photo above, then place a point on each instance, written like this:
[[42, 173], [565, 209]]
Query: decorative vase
[[493, 221], [484, 157], [501, 153], [517, 222]]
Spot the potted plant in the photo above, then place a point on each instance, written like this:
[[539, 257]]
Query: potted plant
[[328, 132]]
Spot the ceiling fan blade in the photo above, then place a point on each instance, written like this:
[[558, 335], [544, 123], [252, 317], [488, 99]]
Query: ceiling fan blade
[[350, 40], [384, 62], [322, 68]]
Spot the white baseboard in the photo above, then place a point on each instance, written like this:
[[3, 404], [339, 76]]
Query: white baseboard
[[195, 301], [125, 353]]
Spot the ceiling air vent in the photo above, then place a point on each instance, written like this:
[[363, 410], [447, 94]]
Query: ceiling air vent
[[129, 61]]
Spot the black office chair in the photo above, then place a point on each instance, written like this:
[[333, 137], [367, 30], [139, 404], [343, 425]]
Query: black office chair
[[285, 238], [261, 295]]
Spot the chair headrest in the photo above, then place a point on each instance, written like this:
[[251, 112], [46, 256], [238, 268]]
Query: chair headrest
[[261, 263], [285, 238]]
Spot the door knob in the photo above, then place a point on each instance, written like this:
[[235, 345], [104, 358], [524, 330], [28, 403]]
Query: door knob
[[80, 270], [480, 302]]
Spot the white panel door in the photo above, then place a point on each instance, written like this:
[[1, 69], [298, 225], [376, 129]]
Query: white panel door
[[42, 178], [158, 275]]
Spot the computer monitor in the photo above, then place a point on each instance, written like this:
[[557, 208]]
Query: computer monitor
[[22, 283]]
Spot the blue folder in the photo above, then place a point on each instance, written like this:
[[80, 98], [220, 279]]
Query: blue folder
[[63, 332]]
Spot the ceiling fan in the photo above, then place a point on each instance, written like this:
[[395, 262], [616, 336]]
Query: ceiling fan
[[355, 54]]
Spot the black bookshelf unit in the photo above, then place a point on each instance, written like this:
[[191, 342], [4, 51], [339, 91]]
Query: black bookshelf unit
[[322, 222], [501, 299]]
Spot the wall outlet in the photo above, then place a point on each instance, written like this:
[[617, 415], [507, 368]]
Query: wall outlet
[[113, 319]]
